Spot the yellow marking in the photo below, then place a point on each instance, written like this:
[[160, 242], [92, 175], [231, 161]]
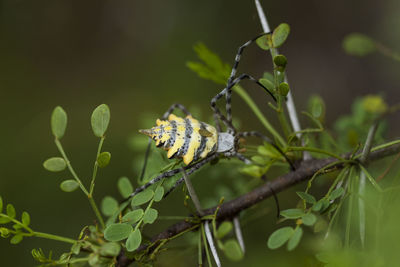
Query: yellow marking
[[195, 141], [211, 141], [179, 137]]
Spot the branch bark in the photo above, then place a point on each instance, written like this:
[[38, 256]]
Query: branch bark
[[233, 207]]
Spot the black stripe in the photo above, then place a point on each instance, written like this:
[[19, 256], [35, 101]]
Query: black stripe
[[160, 135], [203, 142], [188, 135], [172, 138]]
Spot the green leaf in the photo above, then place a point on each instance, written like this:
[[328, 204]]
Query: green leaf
[[232, 250], [69, 185], [110, 249], [224, 229], [307, 197], [58, 122], [150, 216], [125, 187], [358, 44], [292, 213], [284, 89], [295, 239], [268, 84], [338, 192], [316, 106], [134, 240], [1, 205], [317, 206], [11, 211], [309, 219], [16, 239], [280, 35], [213, 68], [103, 159], [26, 219], [93, 259], [279, 237], [100, 120], [133, 216], [109, 206], [4, 220], [280, 60], [117, 231], [263, 42], [4, 232], [158, 194], [76, 248], [55, 164], [142, 197]]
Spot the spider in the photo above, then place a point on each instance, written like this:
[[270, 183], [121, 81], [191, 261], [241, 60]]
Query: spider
[[198, 142]]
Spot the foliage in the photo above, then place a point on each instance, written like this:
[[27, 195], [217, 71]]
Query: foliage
[[337, 207]]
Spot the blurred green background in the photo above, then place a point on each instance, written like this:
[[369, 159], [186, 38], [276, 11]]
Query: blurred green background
[[131, 55]]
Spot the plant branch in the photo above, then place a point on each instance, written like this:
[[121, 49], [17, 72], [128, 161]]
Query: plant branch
[[231, 208]]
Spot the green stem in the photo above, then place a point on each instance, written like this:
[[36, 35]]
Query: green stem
[[54, 237], [246, 98], [96, 211], [60, 148], [96, 166], [205, 245], [316, 150]]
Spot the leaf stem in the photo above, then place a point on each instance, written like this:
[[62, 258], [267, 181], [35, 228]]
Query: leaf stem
[[60, 148], [54, 237], [96, 166], [316, 150]]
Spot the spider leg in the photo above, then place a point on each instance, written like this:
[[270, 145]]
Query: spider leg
[[266, 139], [190, 170], [234, 71], [227, 91], [232, 154], [173, 107]]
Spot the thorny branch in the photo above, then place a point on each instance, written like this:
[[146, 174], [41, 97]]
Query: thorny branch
[[229, 209]]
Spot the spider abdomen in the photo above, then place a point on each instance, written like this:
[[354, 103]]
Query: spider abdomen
[[186, 138]]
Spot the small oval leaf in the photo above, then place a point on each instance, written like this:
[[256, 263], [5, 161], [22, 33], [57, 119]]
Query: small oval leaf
[[11, 211], [307, 197], [103, 159], [142, 197], [280, 34], [134, 240], [26, 219], [58, 122], [295, 239], [159, 193], [69, 185], [16, 239], [263, 42], [109, 206], [150, 216], [292, 213], [125, 187], [309, 219], [100, 120], [279, 237], [267, 84], [338, 192], [358, 44], [224, 229], [133, 216], [55, 164], [232, 250], [110, 249], [117, 231]]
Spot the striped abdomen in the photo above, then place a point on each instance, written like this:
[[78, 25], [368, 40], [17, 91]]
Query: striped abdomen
[[187, 138]]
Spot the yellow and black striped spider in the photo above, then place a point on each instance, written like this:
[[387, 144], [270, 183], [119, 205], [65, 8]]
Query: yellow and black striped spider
[[198, 142]]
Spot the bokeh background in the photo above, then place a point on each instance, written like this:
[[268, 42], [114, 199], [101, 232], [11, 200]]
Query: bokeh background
[[132, 55]]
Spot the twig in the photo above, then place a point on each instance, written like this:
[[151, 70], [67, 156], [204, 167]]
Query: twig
[[289, 103], [231, 208]]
